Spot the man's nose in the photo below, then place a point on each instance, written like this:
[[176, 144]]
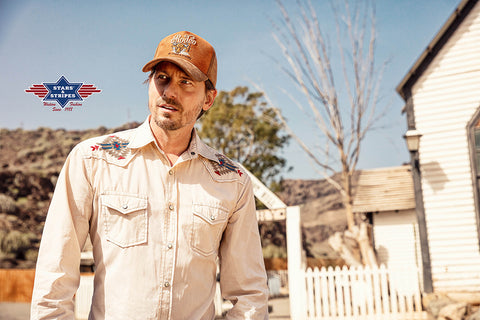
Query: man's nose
[[169, 90]]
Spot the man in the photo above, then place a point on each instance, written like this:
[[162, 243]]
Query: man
[[160, 207]]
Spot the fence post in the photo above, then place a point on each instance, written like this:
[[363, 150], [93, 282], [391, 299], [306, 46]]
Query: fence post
[[83, 298], [296, 265]]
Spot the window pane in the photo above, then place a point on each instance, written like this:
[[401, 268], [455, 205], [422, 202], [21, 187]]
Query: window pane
[[477, 154], [477, 138]]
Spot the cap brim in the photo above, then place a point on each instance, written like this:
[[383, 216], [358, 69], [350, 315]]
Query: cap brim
[[188, 67]]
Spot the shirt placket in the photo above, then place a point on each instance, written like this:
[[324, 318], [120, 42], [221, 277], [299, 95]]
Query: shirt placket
[[170, 243]]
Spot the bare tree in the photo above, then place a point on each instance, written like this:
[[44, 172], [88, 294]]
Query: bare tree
[[343, 119]]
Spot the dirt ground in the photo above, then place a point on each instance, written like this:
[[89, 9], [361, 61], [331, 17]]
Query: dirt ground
[[280, 308], [14, 311]]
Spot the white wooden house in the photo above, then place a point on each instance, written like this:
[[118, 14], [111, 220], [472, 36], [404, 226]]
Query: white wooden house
[[442, 95], [386, 197]]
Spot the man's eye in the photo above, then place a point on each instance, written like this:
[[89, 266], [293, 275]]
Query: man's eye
[[186, 81]]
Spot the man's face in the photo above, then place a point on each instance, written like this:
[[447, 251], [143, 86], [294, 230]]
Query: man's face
[[175, 99]]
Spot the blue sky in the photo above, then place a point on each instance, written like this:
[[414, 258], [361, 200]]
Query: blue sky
[[106, 43]]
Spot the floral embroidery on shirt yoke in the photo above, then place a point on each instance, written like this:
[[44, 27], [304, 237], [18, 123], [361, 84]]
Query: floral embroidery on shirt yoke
[[114, 146], [224, 166]]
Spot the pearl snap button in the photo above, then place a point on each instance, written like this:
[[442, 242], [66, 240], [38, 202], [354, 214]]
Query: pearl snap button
[[125, 206], [170, 206], [212, 218], [169, 246], [166, 284]]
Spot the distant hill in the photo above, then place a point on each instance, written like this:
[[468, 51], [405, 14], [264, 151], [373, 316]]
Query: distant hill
[[43, 149], [30, 162], [322, 214]]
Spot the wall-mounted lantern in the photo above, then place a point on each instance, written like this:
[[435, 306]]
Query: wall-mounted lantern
[[413, 140]]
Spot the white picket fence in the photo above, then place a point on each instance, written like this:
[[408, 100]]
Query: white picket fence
[[83, 298], [363, 293]]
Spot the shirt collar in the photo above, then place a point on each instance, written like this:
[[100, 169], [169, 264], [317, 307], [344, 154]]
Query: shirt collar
[[144, 136], [197, 146]]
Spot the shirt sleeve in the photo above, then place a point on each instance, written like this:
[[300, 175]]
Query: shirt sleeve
[[243, 279], [66, 228]]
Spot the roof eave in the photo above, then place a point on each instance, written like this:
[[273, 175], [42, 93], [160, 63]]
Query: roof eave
[[422, 63]]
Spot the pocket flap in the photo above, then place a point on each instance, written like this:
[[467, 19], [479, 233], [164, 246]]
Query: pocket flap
[[209, 214], [124, 203]]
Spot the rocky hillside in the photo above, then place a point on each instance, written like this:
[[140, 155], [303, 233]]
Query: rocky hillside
[[30, 162], [322, 214]]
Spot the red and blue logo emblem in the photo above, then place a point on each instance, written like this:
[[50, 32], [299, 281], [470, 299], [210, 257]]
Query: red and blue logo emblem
[[62, 92]]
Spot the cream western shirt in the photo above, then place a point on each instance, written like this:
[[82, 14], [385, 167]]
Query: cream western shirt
[[157, 232]]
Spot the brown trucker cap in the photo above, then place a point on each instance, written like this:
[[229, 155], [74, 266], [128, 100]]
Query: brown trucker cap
[[190, 52]]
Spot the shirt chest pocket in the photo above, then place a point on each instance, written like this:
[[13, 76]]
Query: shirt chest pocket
[[125, 219], [208, 225]]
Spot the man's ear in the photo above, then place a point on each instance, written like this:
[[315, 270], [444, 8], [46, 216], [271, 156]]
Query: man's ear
[[209, 98]]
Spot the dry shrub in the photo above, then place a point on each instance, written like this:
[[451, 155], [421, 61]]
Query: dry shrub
[[7, 204], [15, 243]]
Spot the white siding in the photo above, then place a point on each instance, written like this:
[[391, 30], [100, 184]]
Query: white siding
[[445, 99], [396, 239]]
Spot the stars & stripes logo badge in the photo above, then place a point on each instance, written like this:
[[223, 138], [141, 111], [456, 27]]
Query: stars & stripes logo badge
[[64, 93]]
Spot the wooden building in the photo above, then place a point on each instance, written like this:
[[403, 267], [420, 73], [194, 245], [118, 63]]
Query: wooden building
[[386, 197], [442, 95]]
